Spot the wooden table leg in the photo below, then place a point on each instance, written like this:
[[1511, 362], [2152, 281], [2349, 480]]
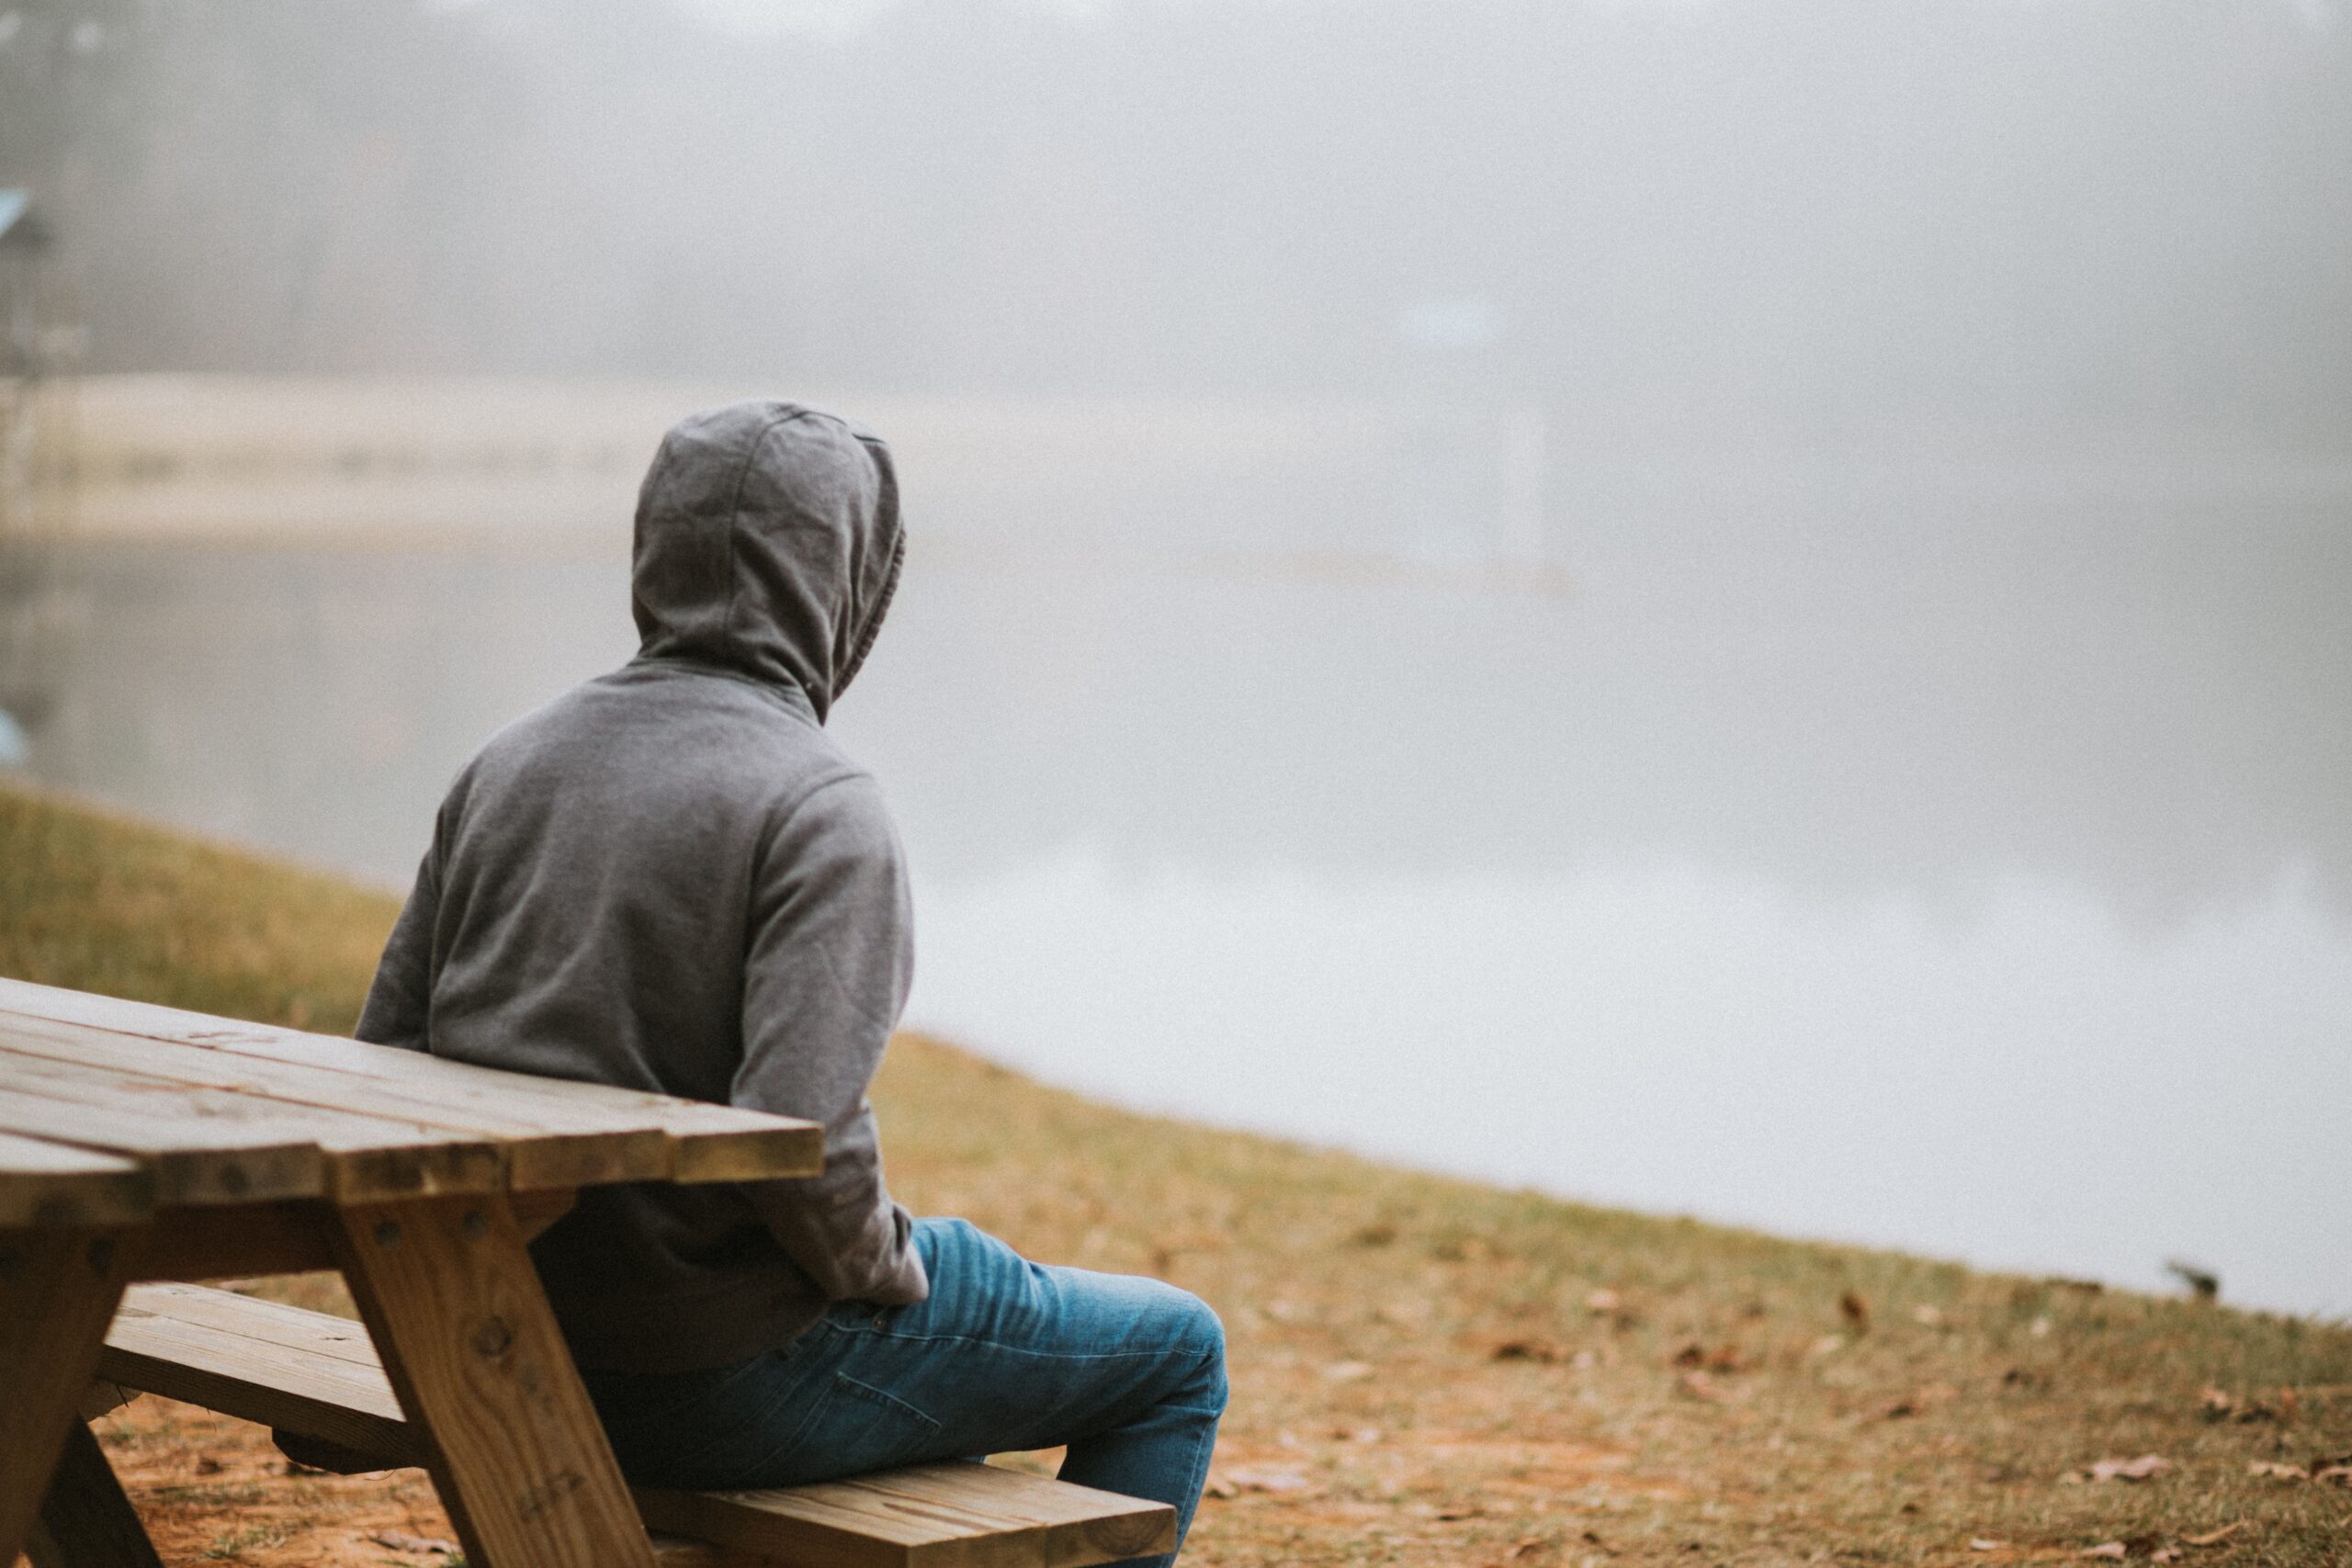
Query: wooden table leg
[[473, 1351], [85, 1520], [58, 1292]]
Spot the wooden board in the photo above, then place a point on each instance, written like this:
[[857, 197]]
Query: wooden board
[[318, 1376], [261, 1361], [472, 1350], [85, 1520], [971, 1516], [44, 1184], [363, 1158], [58, 1288], [188, 1164], [709, 1143], [541, 1151]]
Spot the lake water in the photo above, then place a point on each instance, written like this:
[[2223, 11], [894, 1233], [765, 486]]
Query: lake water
[[1953, 857]]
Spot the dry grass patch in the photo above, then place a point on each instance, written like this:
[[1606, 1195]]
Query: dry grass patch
[[1426, 1371]]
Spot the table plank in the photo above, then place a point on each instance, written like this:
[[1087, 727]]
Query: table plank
[[709, 1143], [364, 1158], [44, 1183], [575, 1151], [187, 1165]]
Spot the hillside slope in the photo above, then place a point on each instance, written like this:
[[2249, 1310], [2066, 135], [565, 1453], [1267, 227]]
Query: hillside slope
[[1426, 1370]]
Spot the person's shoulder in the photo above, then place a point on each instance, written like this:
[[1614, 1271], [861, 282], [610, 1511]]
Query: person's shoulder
[[837, 809]]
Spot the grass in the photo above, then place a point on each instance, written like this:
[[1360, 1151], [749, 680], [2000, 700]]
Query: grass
[[1426, 1370]]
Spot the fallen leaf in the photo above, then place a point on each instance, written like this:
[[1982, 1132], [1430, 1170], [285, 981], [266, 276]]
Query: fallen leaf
[[1289, 1481], [1220, 1487], [1692, 1355], [206, 1465], [1899, 1409], [2105, 1549], [1530, 1545], [1356, 1434], [2145, 1467], [2213, 1538], [1538, 1351], [430, 1546], [1452, 1513], [1856, 1312], [1983, 1543], [2164, 1554], [1349, 1371], [2220, 1404]]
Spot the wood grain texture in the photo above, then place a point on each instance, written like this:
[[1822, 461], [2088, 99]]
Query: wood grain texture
[[923, 1516], [472, 1350], [85, 1519], [541, 1150], [709, 1143], [364, 1158], [45, 1184], [260, 1362], [58, 1288], [316, 1377], [188, 1164]]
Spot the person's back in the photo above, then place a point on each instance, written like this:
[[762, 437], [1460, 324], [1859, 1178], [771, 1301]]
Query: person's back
[[671, 879]]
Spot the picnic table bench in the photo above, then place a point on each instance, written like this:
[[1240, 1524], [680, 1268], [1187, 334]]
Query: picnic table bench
[[145, 1148]]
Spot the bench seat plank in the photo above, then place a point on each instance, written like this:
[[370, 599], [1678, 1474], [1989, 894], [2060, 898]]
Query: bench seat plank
[[306, 1372], [934, 1514], [46, 1184], [709, 1143], [318, 1376]]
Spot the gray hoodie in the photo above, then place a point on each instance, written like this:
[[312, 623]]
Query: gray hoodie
[[670, 878]]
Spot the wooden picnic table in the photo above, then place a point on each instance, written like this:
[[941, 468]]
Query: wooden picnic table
[[142, 1143]]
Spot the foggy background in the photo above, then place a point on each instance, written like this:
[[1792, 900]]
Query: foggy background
[[1732, 607]]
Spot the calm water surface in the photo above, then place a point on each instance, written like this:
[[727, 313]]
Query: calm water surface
[[1956, 858]]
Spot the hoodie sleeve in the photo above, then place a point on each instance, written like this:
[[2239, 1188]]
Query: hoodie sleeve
[[830, 953], [399, 1000]]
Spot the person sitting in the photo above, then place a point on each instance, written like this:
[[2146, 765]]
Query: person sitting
[[670, 878]]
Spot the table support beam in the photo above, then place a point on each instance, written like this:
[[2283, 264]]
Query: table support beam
[[473, 1352], [58, 1292], [85, 1520]]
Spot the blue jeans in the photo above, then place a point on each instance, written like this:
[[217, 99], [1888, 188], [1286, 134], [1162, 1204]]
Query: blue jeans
[[1005, 1355]]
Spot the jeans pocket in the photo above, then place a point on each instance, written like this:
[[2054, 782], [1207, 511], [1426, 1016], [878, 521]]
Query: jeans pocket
[[853, 1427]]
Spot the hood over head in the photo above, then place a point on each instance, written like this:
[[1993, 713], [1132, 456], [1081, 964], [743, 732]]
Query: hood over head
[[767, 543]]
